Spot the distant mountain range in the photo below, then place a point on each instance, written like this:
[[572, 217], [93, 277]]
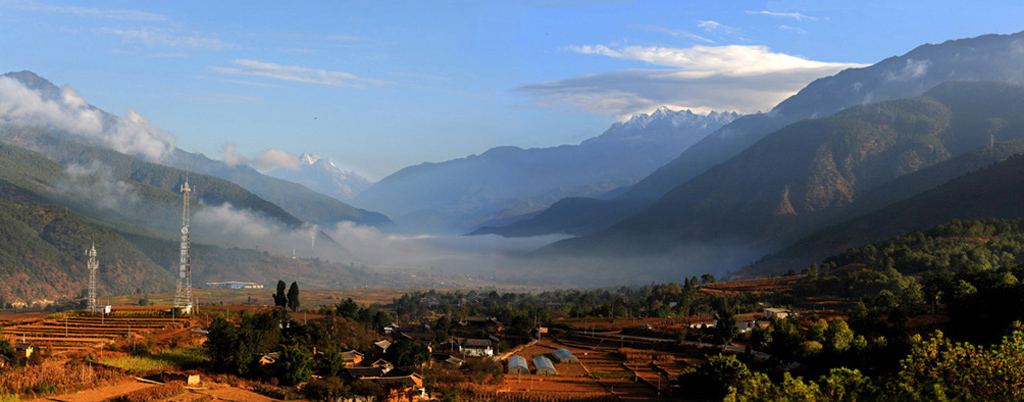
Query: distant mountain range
[[989, 57], [507, 182], [323, 176], [62, 113], [801, 178]]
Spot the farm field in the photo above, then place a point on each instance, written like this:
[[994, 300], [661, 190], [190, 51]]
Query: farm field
[[602, 371], [87, 331]]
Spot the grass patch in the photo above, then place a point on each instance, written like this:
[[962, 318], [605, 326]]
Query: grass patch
[[180, 357]]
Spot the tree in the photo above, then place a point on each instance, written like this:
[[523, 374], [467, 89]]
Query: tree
[[406, 353], [6, 349], [727, 327], [279, 298], [838, 336], [706, 279], [221, 344], [720, 373], [293, 297], [296, 364], [843, 384], [348, 308]]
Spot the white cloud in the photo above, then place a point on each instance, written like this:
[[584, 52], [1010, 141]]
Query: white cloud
[[96, 183], [134, 135], [717, 28], [113, 14], [461, 253], [792, 29], [272, 158], [228, 225], [701, 78], [796, 16], [296, 73], [153, 37], [914, 69], [68, 112], [231, 158]]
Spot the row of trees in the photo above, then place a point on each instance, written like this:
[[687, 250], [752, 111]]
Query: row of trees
[[937, 369], [289, 300]]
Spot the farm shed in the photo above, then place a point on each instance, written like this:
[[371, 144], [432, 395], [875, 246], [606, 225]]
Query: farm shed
[[544, 366], [565, 356], [517, 365]]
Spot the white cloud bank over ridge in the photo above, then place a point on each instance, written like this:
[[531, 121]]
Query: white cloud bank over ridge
[[700, 78], [266, 160], [68, 112]]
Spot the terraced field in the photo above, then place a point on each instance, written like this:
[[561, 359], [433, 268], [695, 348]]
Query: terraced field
[[86, 332]]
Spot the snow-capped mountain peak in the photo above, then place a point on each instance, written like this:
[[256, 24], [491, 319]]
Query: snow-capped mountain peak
[[664, 122], [309, 158], [323, 176]]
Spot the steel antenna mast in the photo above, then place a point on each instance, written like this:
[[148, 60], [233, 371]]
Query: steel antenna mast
[[183, 298]]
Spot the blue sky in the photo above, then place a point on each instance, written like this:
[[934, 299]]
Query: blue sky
[[377, 86]]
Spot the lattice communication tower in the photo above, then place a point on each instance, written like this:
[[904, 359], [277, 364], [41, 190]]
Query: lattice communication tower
[[183, 298], [93, 265]]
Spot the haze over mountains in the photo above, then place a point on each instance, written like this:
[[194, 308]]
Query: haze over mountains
[[507, 182], [989, 57], [850, 158]]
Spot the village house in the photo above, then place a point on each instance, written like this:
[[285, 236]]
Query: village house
[[477, 347], [352, 358], [382, 345], [24, 350], [770, 313]]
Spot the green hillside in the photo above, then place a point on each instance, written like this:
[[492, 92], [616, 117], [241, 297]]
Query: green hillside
[[42, 253], [968, 268]]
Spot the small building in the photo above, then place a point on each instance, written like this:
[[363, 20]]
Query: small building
[[544, 366], [5, 361], [383, 345], [454, 362], [24, 350], [391, 329], [517, 365], [383, 364], [565, 356], [452, 346], [770, 313], [352, 357], [478, 347]]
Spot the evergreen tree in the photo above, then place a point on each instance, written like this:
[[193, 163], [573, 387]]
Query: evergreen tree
[[293, 297], [279, 298]]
